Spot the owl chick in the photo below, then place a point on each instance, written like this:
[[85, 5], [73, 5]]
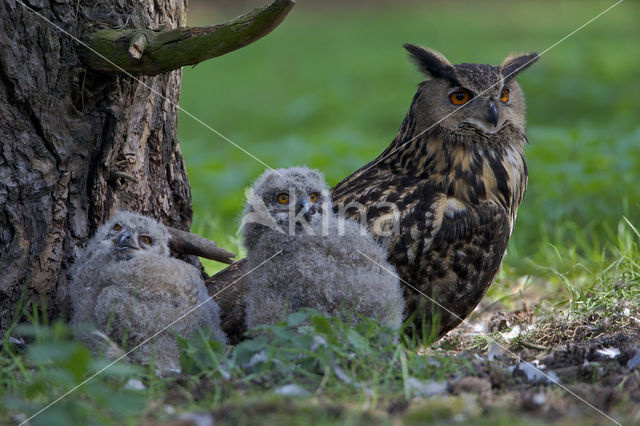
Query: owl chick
[[125, 288], [305, 256]]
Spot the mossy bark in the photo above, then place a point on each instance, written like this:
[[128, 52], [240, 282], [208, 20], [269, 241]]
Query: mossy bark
[[76, 145], [70, 135], [151, 52]]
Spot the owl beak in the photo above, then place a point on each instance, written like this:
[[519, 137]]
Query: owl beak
[[126, 241], [304, 208], [492, 114]]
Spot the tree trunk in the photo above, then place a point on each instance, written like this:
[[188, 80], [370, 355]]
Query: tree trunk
[[82, 140], [78, 145]]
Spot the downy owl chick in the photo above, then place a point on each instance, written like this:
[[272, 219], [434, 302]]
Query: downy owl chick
[[125, 288], [304, 256], [455, 174]]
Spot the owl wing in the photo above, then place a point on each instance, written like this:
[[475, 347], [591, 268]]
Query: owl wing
[[454, 271], [448, 250], [399, 211]]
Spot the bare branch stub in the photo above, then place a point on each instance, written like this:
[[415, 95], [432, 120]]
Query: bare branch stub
[[187, 243], [151, 52]]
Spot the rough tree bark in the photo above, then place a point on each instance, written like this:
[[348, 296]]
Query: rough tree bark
[[77, 144]]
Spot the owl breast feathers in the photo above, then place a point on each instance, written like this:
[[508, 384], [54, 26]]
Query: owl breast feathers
[[127, 288], [328, 263]]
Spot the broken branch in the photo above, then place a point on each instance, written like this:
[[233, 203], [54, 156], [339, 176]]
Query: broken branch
[[151, 52], [187, 243]]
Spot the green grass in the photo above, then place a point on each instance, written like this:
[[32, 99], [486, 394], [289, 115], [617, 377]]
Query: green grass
[[305, 367], [329, 89], [54, 364]]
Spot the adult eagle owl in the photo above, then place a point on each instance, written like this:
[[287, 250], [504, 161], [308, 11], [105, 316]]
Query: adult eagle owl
[[442, 198]]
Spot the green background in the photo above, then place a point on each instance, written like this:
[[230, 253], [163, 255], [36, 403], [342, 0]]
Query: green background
[[330, 87]]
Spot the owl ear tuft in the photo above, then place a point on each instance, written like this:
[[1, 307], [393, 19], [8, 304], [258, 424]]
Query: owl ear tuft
[[431, 62], [514, 64]]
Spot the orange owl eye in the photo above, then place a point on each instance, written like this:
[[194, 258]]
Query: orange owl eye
[[117, 227], [504, 96], [313, 197], [145, 239], [283, 198], [460, 97]]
